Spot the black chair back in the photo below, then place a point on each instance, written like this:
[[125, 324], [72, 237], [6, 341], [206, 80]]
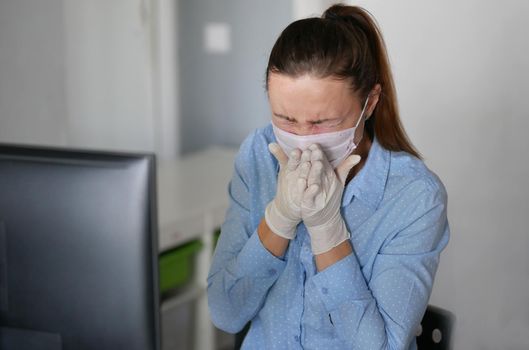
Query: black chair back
[[435, 331], [239, 337]]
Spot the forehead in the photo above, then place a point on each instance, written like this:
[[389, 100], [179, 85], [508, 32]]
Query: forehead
[[308, 95]]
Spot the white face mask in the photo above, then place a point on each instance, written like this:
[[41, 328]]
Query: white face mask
[[336, 145]]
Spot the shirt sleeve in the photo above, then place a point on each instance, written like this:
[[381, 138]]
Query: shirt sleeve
[[384, 311], [243, 270]]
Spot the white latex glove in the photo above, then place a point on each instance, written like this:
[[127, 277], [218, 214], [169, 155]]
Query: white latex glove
[[320, 208], [283, 213]]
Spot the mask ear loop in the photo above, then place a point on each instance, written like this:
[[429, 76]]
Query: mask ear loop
[[362, 113], [358, 122]]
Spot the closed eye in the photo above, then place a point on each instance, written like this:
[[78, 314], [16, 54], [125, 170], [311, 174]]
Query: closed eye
[[328, 122], [285, 118]]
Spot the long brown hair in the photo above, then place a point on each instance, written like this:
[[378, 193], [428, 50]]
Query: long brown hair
[[345, 43]]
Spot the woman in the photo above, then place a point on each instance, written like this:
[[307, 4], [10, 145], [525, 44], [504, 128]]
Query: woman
[[335, 225]]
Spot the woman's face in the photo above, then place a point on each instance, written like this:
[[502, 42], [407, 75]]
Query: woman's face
[[306, 105]]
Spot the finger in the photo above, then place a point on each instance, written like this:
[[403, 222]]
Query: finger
[[316, 152], [301, 186], [278, 153], [310, 195], [293, 159], [315, 174], [319, 154], [304, 169], [343, 169], [305, 156], [314, 146]]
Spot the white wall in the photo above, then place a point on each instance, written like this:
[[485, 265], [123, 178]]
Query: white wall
[[107, 74], [462, 70], [32, 92], [92, 74], [309, 8]]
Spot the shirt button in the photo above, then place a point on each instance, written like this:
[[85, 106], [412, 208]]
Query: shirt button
[[272, 272], [296, 338], [324, 290]]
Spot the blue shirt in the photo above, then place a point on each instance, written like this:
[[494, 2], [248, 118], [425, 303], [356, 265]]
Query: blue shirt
[[395, 210]]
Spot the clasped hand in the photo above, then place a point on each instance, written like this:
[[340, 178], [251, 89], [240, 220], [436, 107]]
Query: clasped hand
[[309, 190]]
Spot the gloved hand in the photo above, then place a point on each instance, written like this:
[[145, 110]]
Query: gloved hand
[[283, 213], [320, 207]]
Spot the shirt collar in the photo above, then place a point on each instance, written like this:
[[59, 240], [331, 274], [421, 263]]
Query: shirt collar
[[370, 182]]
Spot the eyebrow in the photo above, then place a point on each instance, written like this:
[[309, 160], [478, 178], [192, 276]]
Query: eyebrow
[[319, 121]]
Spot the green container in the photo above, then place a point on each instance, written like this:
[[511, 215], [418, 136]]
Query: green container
[[176, 265]]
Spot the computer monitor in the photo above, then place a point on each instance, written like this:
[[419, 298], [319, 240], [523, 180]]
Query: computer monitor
[[78, 250]]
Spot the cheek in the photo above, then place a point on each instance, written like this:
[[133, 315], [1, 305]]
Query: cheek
[[320, 129], [293, 129], [286, 126]]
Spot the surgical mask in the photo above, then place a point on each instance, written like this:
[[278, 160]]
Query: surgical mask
[[336, 145]]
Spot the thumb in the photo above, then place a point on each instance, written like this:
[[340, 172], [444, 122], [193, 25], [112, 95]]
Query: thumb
[[343, 169], [278, 153]]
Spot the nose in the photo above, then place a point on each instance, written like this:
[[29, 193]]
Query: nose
[[304, 130]]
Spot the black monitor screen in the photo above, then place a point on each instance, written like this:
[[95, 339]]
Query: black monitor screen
[[78, 250]]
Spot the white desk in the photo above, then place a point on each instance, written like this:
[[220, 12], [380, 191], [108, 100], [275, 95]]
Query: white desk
[[192, 202]]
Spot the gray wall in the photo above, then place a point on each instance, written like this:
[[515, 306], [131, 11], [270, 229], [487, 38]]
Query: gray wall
[[222, 95]]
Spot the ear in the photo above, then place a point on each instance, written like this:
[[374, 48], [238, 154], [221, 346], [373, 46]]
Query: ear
[[374, 95]]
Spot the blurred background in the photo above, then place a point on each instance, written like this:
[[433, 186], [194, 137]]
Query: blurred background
[[177, 77]]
